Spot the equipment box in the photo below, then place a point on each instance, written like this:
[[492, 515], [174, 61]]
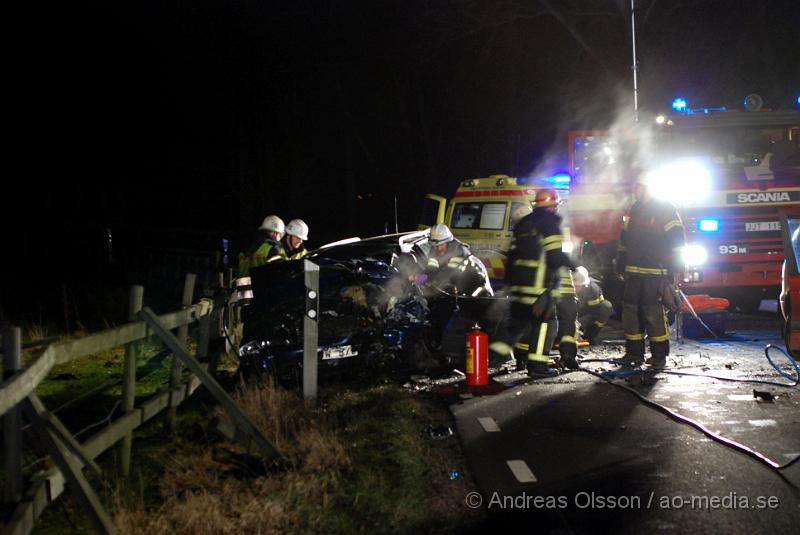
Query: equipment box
[[694, 329]]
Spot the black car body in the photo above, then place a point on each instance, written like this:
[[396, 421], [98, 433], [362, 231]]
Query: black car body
[[373, 309]]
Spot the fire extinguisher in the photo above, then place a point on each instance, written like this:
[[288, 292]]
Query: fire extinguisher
[[477, 357]]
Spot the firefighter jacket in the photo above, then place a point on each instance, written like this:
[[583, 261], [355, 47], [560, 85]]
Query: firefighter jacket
[[293, 254], [457, 267], [259, 254], [590, 296], [651, 237], [566, 288], [535, 256]]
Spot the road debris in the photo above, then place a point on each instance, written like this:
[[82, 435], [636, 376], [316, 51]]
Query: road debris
[[766, 396]]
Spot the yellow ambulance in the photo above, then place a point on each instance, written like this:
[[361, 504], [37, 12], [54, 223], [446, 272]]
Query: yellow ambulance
[[483, 212]]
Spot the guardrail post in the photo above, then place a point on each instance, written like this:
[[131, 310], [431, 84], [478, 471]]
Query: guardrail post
[[310, 331], [12, 428], [129, 379], [177, 367]]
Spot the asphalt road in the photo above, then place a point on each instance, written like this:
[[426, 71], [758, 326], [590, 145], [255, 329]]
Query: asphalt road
[[575, 454]]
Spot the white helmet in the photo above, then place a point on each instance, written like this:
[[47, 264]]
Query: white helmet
[[580, 276], [273, 223], [297, 228], [440, 233]]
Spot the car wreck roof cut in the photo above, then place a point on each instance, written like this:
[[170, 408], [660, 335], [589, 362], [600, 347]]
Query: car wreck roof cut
[[405, 239]]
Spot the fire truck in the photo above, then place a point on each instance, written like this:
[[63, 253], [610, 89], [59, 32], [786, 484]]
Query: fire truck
[[732, 174]]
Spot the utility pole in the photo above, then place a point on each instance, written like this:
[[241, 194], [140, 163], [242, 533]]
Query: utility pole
[[635, 65]]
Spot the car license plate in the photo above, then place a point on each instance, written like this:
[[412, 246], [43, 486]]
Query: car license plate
[[762, 225], [340, 352]]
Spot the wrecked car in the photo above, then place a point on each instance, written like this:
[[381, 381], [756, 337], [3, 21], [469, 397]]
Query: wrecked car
[[376, 307]]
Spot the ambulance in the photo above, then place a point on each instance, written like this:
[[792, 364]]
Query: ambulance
[[483, 213]]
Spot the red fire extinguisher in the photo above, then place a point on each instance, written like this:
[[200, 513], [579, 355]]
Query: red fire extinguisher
[[477, 357]]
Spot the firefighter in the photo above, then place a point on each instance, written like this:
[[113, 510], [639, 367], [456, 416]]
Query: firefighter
[[266, 248], [532, 268], [451, 265], [593, 309], [294, 241], [648, 257]]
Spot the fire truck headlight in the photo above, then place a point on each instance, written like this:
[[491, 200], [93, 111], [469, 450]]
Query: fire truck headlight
[[684, 182], [694, 255]]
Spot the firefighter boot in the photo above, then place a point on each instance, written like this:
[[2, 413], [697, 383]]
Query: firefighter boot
[[539, 370], [568, 352], [591, 333], [659, 352], [634, 353]]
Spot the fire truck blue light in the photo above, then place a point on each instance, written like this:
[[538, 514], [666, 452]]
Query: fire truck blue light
[[560, 179], [708, 225], [679, 104]]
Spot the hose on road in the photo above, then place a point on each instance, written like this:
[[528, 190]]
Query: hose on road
[[607, 377]]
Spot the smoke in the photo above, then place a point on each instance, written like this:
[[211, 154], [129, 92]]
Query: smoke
[[630, 150]]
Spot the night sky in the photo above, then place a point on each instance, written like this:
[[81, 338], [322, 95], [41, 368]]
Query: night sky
[[209, 115]]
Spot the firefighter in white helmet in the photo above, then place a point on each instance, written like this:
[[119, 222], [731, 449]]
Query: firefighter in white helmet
[[594, 309], [266, 248], [453, 267], [295, 238]]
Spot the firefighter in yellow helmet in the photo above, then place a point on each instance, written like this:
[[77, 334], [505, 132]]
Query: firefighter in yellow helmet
[[295, 238], [533, 262], [266, 248], [648, 258]]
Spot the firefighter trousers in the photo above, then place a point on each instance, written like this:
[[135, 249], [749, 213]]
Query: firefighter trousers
[[567, 334], [523, 325], [593, 318], [642, 313]]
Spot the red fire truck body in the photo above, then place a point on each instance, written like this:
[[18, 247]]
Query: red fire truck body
[[732, 174]]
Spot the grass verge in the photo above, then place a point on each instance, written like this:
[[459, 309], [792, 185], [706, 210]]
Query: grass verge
[[358, 461]]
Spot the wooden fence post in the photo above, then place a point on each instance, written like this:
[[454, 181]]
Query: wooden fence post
[[175, 372], [240, 418], [12, 423], [129, 379]]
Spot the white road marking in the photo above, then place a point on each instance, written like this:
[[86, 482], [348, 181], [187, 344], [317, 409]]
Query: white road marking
[[762, 423], [741, 397], [488, 424], [521, 471]]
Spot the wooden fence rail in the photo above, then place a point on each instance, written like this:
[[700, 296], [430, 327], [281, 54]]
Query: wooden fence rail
[[18, 392]]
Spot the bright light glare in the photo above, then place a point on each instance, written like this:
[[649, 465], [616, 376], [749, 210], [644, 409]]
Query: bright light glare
[[660, 119], [694, 255], [567, 247], [709, 225], [683, 182], [679, 104]]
